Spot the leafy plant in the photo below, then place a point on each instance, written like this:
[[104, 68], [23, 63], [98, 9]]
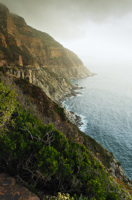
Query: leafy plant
[[42, 157]]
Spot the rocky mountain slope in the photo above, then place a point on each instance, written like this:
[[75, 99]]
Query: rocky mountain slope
[[34, 55], [48, 111], [18, 126]]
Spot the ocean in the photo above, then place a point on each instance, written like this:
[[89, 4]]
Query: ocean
[[105, 106]]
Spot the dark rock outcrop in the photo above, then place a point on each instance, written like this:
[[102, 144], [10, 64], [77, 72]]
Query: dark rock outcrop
[[9, 190]]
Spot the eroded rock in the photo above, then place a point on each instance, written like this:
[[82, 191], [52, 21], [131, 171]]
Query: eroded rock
[[9, 190]]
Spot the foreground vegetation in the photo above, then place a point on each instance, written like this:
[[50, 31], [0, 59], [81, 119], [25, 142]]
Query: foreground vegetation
[[45, 161]]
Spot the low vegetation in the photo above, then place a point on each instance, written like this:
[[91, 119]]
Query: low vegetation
[[45, 161]]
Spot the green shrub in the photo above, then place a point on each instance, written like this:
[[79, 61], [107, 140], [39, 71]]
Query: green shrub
[[44, 158], [112, 196], [7, 104]]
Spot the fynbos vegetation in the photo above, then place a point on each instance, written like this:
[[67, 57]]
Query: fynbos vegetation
[[43, 159]]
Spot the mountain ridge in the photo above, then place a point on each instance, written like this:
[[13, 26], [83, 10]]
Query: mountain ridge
[[26, 53], [25, 47]]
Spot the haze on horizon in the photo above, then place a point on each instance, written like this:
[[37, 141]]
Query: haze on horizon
[[98, 31]]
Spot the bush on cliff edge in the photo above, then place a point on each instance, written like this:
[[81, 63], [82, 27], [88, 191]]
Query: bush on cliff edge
[[44, 158]]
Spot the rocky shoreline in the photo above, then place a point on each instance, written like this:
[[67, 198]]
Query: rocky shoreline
[[75, 119], [115, 169]]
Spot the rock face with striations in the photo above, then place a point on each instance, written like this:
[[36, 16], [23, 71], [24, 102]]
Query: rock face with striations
[[26, 47]]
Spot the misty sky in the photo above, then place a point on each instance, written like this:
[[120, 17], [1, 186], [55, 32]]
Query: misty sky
[[98, 31]]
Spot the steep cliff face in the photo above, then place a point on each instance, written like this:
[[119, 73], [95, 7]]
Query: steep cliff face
[[23, 47], [30, 54], [55, 86], [35, 47]]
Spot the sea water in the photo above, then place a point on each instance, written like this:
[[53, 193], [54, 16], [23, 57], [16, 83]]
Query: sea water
[[105, 106]]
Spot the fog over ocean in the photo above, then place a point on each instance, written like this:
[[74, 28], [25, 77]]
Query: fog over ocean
[[105, 105]]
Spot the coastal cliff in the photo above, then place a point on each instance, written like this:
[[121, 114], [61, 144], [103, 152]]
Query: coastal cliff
[[49, 64], [38, 153], [48, 158]]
